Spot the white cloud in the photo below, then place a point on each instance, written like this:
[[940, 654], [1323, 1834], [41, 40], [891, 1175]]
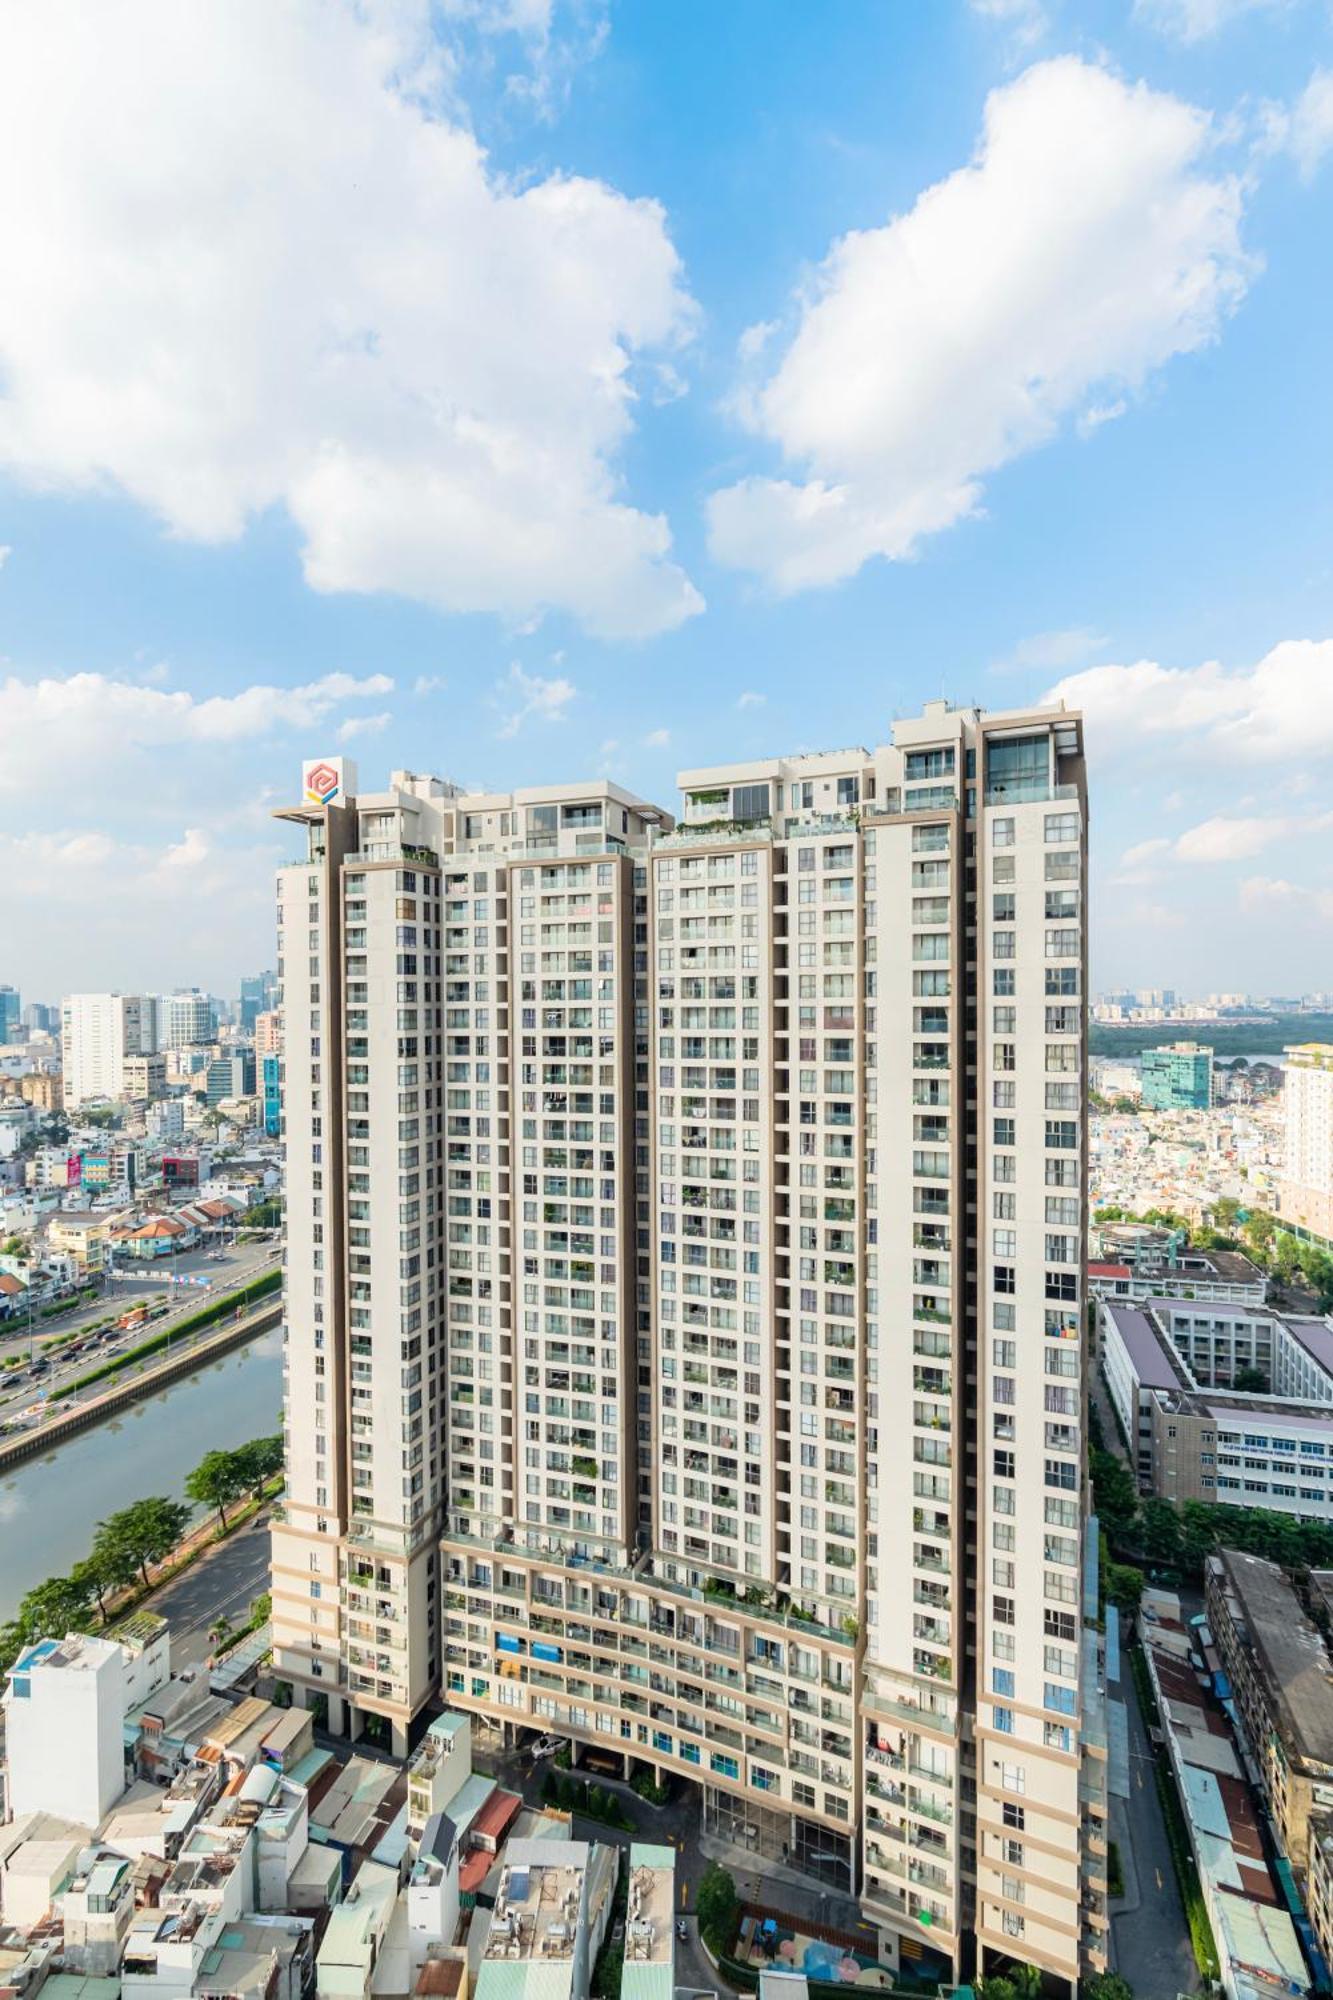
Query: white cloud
[[199, 909], [1026, 18], [530, 695], [1143, 850], [302, 285], [750, 699], [1260, 895], [62, 733], [1050, 651], [364, 725], [657, 739], [1196, 20], [1279, 708], [1223, 839], [428, 684], [6, 551], [1083, 247], [1306, 131]]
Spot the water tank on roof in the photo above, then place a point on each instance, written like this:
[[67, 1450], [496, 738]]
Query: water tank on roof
[[259, 1785]]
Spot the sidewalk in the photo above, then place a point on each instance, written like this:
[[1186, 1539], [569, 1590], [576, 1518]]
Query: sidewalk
[[759, 1880]]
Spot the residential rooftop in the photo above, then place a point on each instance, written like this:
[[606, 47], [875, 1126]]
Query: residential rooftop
[[1290, 1651]]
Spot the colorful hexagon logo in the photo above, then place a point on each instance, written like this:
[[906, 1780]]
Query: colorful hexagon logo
[[322, 783]]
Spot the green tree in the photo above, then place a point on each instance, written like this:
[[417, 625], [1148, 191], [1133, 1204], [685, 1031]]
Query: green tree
[[219, 1478], [1105, 1986], [1260, 1229], [94, 1576], [1226, 1213], [260, 1461], [1198, 1532], [1116, 1494], [718, 1908], [1252, 1380], [1159, 1536], [14, 1246], [55, 1607], [142, 1533], [1124, 1586], [1286, 1261]]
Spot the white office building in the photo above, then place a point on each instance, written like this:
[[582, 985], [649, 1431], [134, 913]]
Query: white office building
[[685, 1244], [99, 1032], [1306, 1202], [65, 1709], [185, 1019]]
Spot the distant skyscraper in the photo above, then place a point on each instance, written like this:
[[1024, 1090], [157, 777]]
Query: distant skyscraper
[[185, 1020], [11, 1010], [1177, 1078], [97, 1032], [685, 1249], [256, 997], [41, 1019], [1307, 1176]]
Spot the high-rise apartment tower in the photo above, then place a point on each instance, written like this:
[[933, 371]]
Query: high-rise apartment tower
[[685, 1253]]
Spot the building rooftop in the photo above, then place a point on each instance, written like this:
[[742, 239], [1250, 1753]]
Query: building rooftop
[[1153, 1363], [536, 1913], [1290, 1651], [649, 1967]]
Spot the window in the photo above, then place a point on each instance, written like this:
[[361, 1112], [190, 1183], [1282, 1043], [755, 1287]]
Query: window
[[1014, 1816], [849, 791], [1002, 1681], [1004, 1720], [1061, 827], [1017, 767], [750, 802], [1013, 1922], [929, 764], [1001, 833]]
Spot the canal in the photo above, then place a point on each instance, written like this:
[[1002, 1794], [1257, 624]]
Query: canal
[[49, 1507]]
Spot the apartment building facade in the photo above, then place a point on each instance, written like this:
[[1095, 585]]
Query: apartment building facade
[[730, 1370], [1306, 1199], [98, 1032]]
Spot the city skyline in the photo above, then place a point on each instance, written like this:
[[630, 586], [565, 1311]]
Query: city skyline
[[746, 534]]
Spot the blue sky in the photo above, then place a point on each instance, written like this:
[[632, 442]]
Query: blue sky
[[522, 389]]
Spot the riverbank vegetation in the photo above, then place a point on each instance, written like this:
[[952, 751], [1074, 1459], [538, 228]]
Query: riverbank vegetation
[[147, 1536]]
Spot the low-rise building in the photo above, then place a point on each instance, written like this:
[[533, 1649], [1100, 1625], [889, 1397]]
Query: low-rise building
[[1281, 1678], [65, 1709], [1211, 1276], [1171, 1368], [438, 1767], [144, 1078], [550, 1917], [1258, 1946], [355, 1934]]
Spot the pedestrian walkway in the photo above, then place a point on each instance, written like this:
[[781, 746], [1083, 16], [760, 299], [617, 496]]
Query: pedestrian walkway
[[775, 1883]]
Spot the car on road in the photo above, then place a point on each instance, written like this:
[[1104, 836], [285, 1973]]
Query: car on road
[[682, 1929], [545, 1746]]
